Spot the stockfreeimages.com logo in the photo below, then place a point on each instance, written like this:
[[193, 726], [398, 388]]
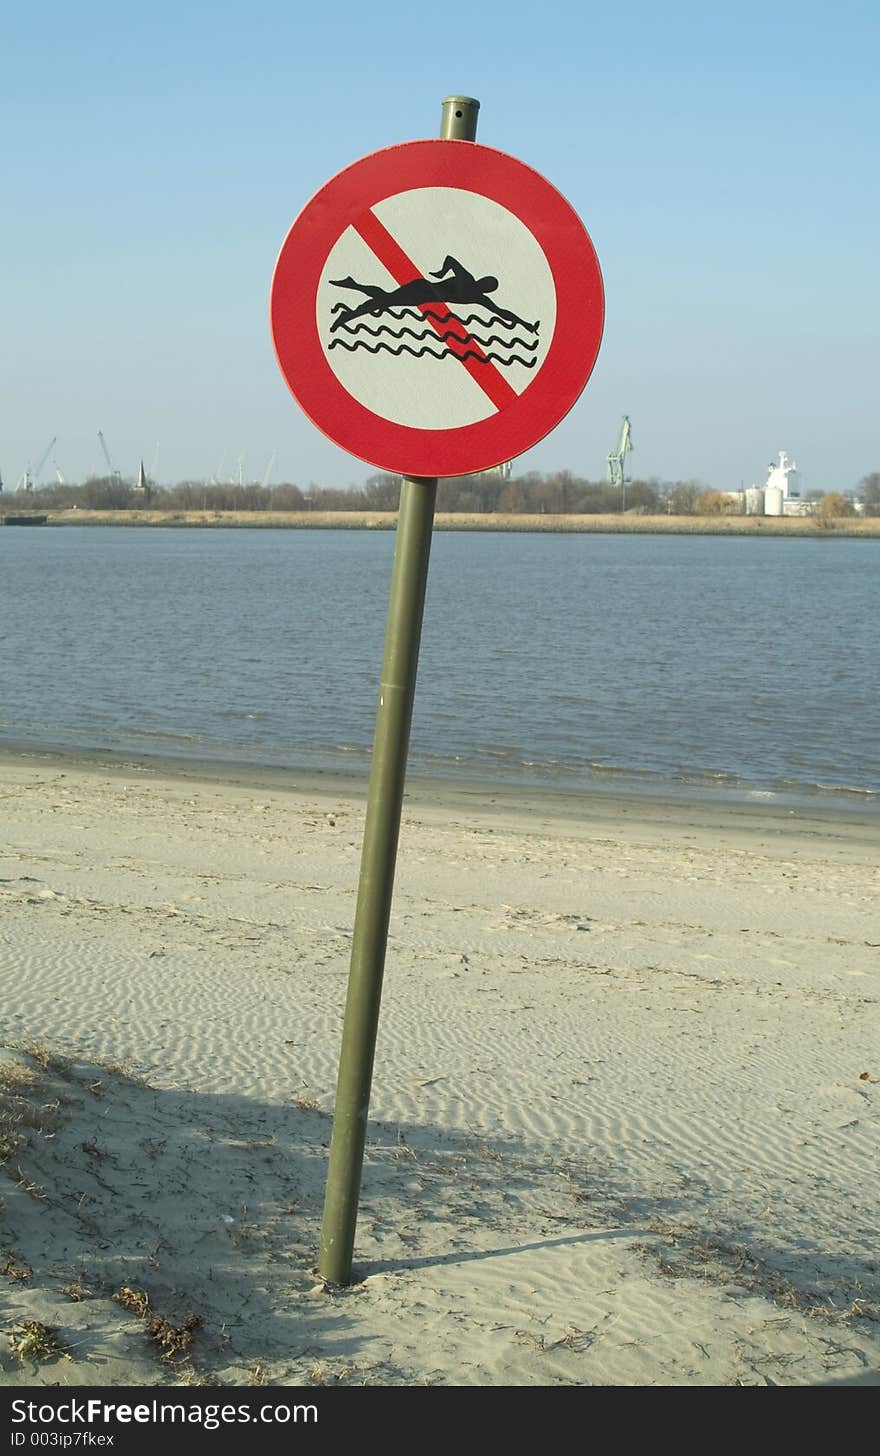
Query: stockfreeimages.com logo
[[98, 1412]]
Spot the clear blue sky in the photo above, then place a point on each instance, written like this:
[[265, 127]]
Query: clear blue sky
[[723, 158]]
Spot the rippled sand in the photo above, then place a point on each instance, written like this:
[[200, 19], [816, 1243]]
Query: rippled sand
[[624, 1126]]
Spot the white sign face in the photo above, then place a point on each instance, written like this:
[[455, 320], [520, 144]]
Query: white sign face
[[475, 316]]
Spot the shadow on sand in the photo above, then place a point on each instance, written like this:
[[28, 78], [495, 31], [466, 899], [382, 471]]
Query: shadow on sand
[[210, 1205]]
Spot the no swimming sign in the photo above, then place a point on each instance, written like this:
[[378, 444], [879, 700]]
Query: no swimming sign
[[437, 308]]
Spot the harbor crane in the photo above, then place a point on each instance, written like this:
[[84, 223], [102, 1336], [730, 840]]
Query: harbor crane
[[114, 474], [32, 477], [498, 472], [617, 458], [268, 469]]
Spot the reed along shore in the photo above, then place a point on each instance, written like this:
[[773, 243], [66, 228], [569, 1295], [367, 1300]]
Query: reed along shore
[[665, 525]]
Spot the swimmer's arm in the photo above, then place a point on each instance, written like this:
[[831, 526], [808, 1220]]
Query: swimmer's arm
[[451, 265]]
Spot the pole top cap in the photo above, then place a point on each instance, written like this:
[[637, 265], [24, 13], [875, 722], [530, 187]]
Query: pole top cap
[[459, 118]]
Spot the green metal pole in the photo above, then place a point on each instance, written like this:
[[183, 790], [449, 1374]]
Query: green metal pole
[[403, 632]]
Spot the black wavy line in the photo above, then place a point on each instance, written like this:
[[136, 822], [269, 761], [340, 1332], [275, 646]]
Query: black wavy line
[[444, 354], [443, 318], [432, 334], [416, 313]]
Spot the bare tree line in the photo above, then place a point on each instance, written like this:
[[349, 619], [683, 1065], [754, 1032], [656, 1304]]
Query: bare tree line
[[560, 493]]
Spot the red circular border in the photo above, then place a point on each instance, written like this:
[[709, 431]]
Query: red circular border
[[403, 449]]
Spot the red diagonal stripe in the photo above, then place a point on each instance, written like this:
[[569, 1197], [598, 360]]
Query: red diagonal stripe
[[403, 270]]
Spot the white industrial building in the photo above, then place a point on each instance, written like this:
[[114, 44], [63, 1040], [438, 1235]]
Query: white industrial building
[[780, 495]]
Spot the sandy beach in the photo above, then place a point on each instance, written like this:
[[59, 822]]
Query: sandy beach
[[624, 1127]]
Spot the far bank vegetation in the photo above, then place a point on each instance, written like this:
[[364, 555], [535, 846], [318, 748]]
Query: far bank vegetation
[[531, 494]]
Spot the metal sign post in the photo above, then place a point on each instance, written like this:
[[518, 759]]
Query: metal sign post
[[436, 309], [385, 797]]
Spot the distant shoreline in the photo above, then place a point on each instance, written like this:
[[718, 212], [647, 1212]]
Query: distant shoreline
[[797, 526]]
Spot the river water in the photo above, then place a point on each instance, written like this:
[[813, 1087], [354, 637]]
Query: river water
[[734, 668]]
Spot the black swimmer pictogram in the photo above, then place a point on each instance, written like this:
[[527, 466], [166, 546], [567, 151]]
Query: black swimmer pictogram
[[454, 285]]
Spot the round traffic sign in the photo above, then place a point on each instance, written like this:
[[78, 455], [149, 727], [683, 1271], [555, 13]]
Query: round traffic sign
[[437, 308]]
